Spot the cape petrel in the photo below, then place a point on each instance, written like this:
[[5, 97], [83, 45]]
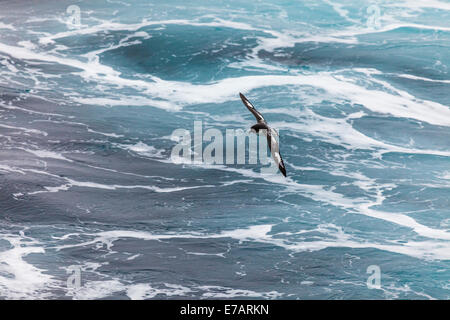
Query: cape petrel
[[271, 134]]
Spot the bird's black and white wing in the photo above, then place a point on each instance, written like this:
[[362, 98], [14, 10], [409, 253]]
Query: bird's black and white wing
[[252, 109], [274, 147]]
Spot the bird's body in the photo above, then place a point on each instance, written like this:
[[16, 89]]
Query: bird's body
[[272, 134]]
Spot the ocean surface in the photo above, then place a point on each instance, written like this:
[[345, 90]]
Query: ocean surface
[[93, 207]]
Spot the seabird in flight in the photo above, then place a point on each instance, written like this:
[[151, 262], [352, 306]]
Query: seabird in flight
[[271, 134]]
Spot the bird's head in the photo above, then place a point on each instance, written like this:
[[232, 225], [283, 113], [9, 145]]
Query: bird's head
[[254, 129]]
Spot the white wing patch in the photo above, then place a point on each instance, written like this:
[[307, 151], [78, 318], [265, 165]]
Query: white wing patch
[[274, 147]]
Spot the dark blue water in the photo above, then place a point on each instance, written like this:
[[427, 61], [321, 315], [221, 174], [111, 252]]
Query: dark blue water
[[88, 190]]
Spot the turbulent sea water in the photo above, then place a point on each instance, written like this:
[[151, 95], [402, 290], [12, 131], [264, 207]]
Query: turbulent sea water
[[358, 91]]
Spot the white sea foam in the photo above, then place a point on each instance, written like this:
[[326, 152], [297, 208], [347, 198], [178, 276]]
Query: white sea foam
[[219, 292], [142, 149], [88, 129], [146, 291], [333, 237], [128, 101], [94, 185], [420, 4], [6, 26], [112, 135], [401, 104], [27, 130], [46, 154], [7, 168], [173, 95], [12, 107], [358, 205], [357, 31], [97, 289], [412, 77], [340, 131], [18, 278], [29, 282]]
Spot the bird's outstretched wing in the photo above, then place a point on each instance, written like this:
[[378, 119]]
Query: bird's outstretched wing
[[275, 150], [252, 109]]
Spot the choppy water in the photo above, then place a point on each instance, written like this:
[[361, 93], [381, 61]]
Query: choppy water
[[86, 113]]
